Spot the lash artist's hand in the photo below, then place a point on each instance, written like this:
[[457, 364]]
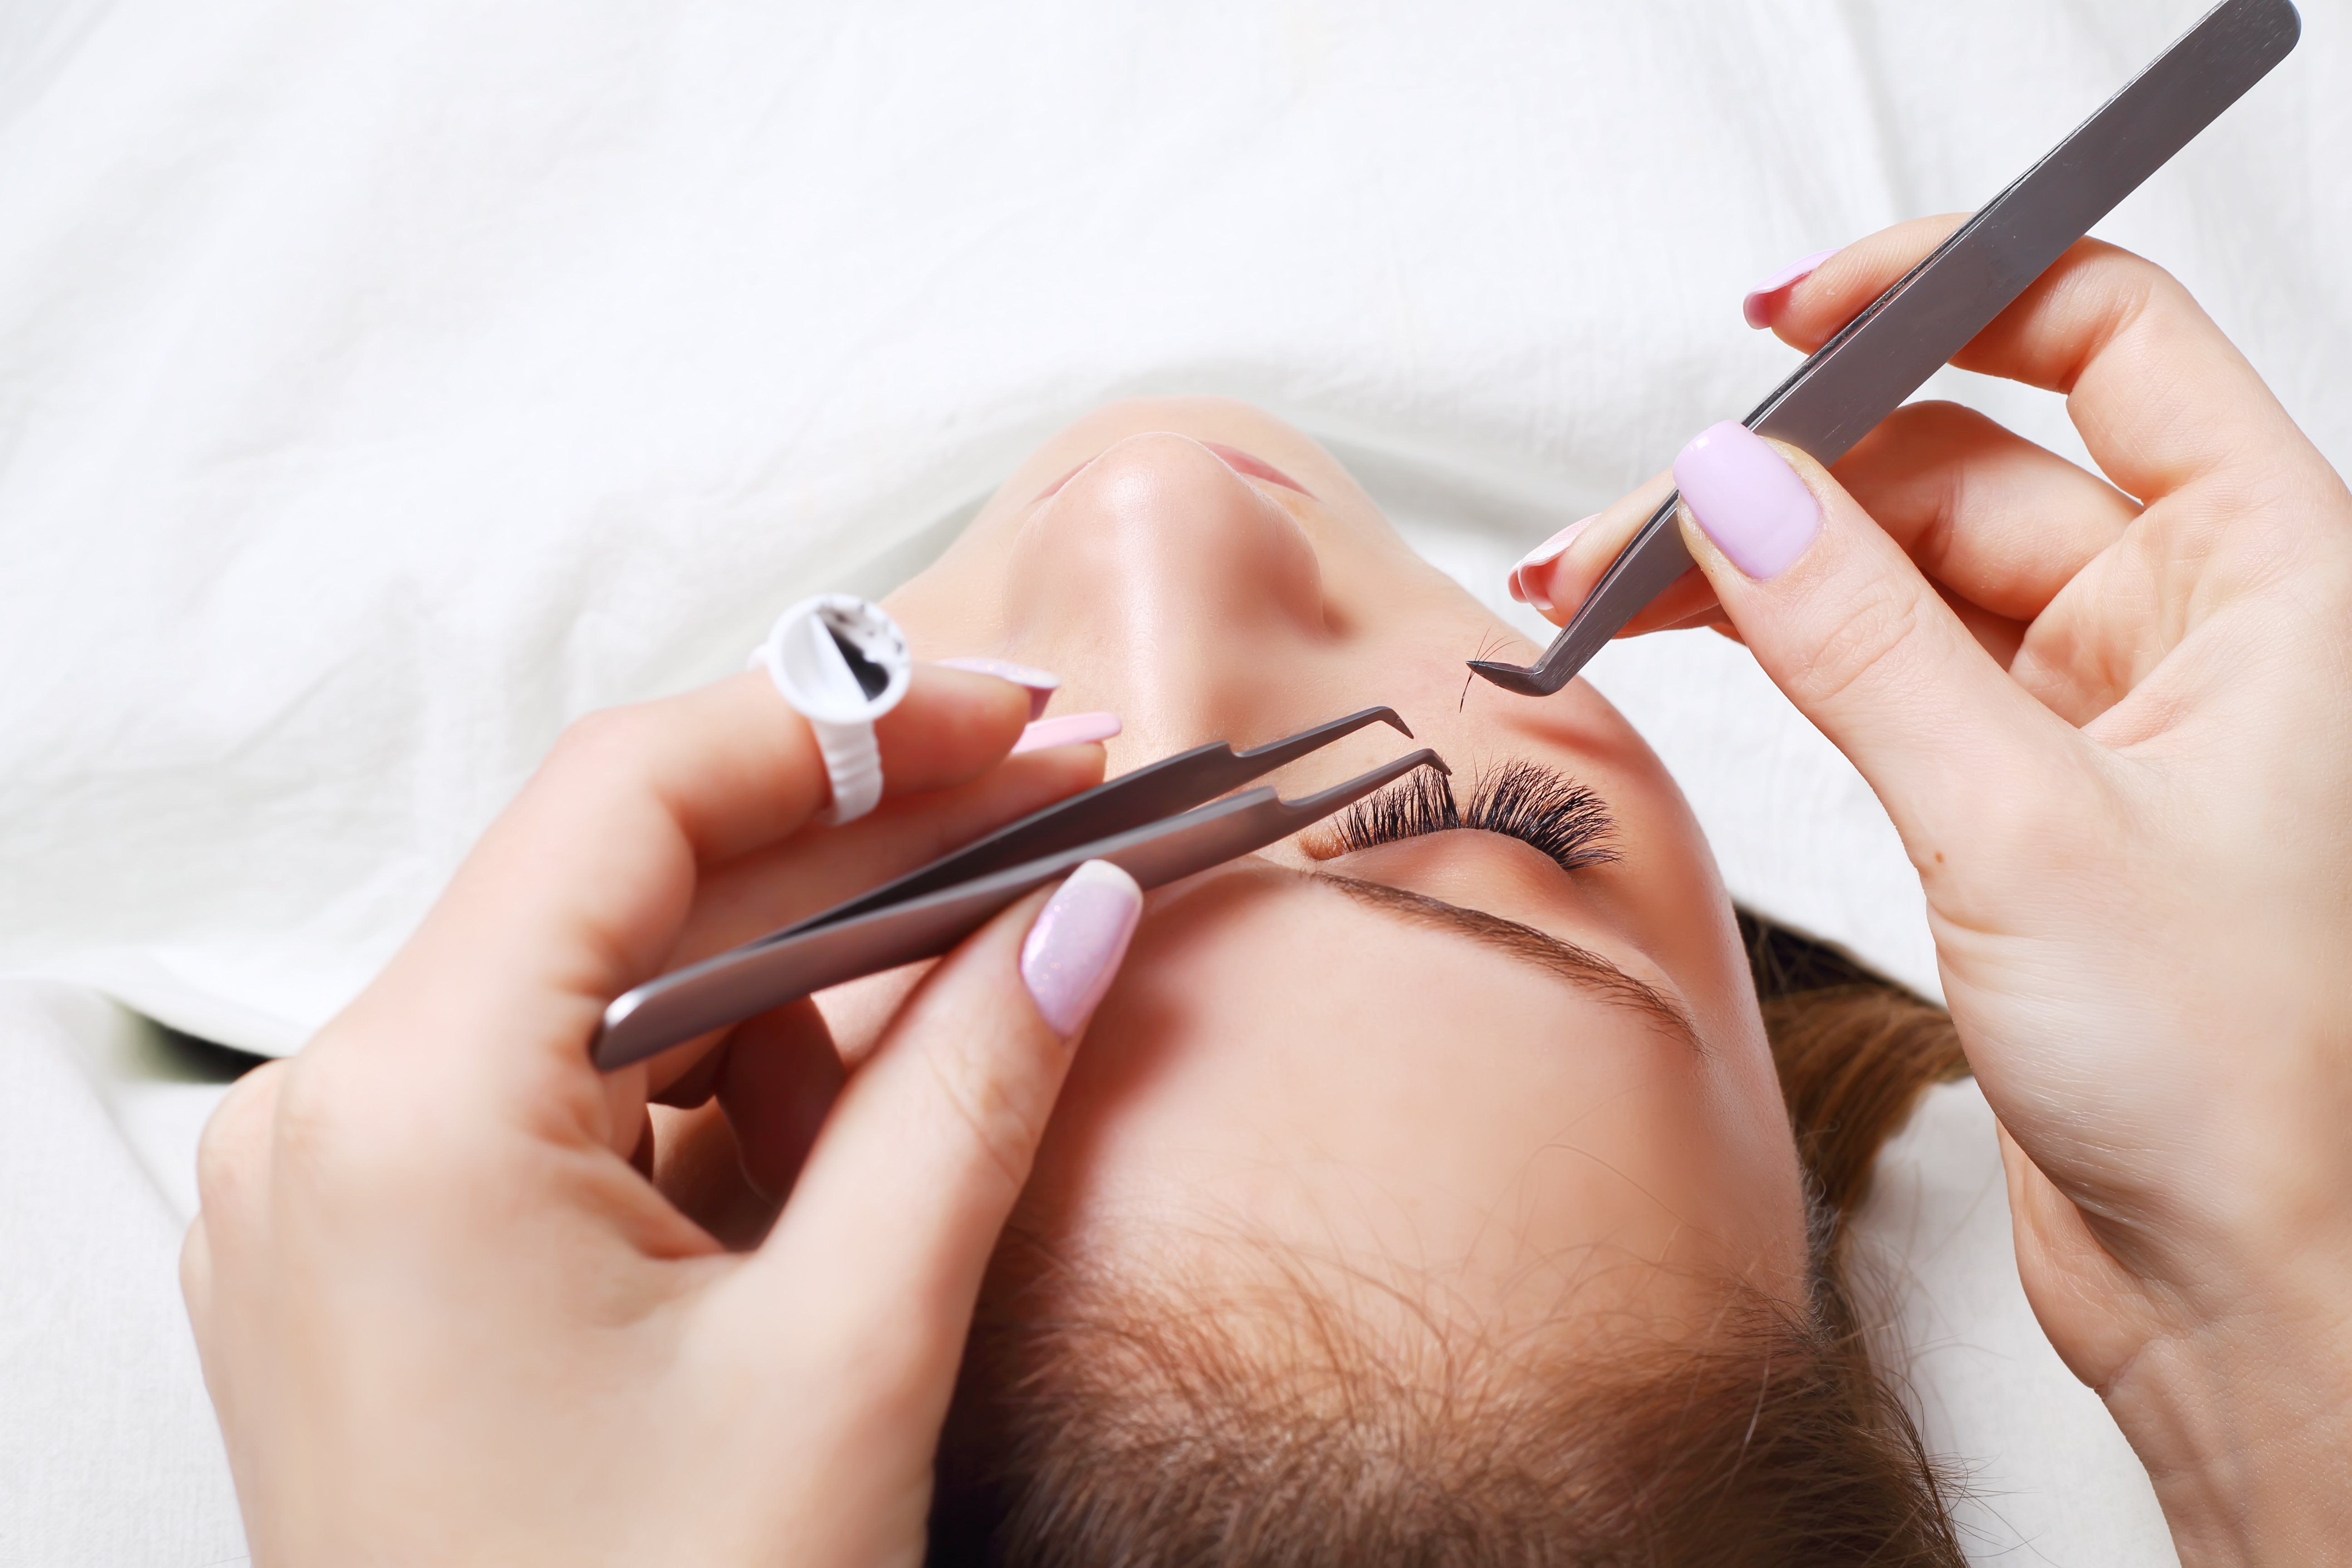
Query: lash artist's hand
[[2113, 725], [444, 1317]]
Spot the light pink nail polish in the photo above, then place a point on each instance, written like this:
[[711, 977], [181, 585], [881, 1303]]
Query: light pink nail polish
[[1069, 730], [1074, 951], [1788, 276], [1552, 549], [1041, 684], [1522, 584], [1748, 500]]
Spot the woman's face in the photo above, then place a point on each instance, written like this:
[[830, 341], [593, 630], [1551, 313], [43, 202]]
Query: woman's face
[[1516, 1087]]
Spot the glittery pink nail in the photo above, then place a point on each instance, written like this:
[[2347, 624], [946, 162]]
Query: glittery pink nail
[[1073, 950]]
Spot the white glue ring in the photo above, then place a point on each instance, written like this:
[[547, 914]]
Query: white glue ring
[[842, 663]]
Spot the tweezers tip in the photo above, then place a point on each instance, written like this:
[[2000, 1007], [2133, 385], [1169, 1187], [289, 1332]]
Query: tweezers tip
[[1517, 677]]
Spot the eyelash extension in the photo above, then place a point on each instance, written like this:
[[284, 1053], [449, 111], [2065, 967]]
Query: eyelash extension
[[1523, 800]]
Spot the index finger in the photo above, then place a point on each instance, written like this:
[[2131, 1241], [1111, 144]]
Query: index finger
[[2161, 396]]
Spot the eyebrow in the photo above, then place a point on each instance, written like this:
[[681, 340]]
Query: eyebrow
[[1564, 960]]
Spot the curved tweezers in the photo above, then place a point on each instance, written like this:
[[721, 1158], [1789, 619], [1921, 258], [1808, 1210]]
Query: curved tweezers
[[1864, 374], [1137, 821]]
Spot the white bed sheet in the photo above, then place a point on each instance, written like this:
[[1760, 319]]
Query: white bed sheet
[[380, 387]]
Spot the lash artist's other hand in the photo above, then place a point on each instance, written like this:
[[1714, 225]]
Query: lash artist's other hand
[[444, 1317], [2113, 725]]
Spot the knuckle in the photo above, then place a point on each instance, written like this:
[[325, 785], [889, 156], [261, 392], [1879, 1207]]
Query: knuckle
[[303, 1132], [232, 1152], [2099, 294], [337, 1129], [1864, 645]]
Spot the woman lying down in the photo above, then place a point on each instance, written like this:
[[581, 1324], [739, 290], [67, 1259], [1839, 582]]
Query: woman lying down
[[1423, 1190]]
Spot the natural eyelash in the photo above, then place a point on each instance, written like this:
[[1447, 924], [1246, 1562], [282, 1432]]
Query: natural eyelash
[[1523, 800]]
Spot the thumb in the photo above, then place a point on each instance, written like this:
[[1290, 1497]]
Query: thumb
[[898, 1210], [1845, 625]]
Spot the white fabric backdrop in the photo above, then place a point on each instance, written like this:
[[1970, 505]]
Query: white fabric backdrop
[[383, 386]]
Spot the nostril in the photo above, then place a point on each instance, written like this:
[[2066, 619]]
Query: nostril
[[1055, 488], [1248, 464], [1255, 467]]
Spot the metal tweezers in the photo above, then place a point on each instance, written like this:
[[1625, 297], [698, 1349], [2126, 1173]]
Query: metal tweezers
[[1864, 374], [1150, 823]]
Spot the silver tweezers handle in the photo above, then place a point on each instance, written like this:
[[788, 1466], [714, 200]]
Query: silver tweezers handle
[[757, 976], [1862, 374]]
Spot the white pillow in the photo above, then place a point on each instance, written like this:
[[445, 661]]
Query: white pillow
[[388, 385]]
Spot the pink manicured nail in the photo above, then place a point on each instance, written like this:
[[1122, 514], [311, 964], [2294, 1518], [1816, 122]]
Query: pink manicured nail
[[1041, 684], [1074, 949], [1069, 730], [1544, 555], [1749, 500], [1788, 276]]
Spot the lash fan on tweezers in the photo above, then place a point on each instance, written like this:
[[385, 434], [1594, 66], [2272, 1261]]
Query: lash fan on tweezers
[[1149, 823]]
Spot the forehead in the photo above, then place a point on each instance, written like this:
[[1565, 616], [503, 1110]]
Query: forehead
[[1281, 1062]]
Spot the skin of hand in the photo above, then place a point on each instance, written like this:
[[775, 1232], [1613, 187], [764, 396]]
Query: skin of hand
[[2112, 722], [447, 1317]]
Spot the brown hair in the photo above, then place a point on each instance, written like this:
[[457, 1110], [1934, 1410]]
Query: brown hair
[[1119, 1425]]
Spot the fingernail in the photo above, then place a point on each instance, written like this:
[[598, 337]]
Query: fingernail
[[1041, 683], [1746, 499], [1069, 730], [1788, 276], [1544, 555], [1074, 949], [1551, 549]]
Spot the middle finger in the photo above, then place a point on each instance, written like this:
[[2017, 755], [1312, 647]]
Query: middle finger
[[1998, 523], [2161, 396], [1986, 514]]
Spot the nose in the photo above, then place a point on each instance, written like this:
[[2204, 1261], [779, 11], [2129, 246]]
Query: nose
[[1179, 591]]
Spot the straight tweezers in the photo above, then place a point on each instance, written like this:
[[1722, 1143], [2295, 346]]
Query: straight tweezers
[[1149, 823]]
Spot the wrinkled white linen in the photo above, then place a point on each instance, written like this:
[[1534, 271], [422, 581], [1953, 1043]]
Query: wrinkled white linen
[[381, 387], [389, 384], [109, 1453]]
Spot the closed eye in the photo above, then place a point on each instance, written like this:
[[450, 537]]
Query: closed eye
[[1520, 799]]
